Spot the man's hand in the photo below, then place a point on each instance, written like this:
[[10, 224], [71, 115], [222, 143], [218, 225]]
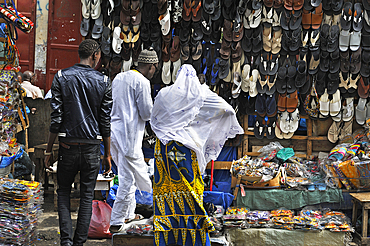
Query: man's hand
[[106, 164], [47, 162]]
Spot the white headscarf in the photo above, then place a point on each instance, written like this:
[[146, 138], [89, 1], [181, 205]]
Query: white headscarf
[[190, 113]]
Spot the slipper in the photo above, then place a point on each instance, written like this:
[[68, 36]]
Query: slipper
[[260, 104], [176, 67], [245, 77], [324, 104], [361, 111], [270, 105], [224, 68], [348, 109], [97, 28], [355, 41], [335, 104], [86, 6], [262, 84], [127, 65], [117, 41], [357, 17], [166, 72], [294, 121], [281, 85], [271, 85], [284, 122], [333, 133], [138, 217], [282, 102], [95, 9], [165, 22], [106, 41], [259, 127], [270, 127], [84, 28], [310, 187], [236, 88], [116, 228], [344, 40], [346, 130], [346, 19], [278, 133], [253, 83], [321, 187]]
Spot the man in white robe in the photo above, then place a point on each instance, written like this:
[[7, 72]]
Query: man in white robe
[[132, 107]]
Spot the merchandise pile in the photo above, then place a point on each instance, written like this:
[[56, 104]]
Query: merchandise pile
[[280, 165], [305, 220], [20, 208]]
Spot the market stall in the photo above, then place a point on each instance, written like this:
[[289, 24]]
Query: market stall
[[297, 74]]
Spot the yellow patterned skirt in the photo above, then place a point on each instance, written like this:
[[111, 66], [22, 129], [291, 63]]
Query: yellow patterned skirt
[[179, 215]]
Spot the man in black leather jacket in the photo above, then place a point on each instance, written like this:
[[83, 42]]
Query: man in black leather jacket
[[81, 105]]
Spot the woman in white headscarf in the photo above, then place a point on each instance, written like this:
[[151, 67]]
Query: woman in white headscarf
[[192, 123]]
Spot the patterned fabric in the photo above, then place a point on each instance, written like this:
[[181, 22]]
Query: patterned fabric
[[179, 215]]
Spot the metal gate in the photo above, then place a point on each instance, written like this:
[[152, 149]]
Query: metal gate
[[63, 36]]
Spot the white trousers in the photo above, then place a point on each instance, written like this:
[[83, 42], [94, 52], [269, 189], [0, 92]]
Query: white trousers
[[132, 174]]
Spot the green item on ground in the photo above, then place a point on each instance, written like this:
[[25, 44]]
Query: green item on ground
[[115, 180], [285, 154]]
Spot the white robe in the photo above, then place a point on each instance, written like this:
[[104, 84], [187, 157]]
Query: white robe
[[132, 107], [190, 113]]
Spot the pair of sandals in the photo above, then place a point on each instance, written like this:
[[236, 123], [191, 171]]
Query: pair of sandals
[[288, 102], [339, 130], [312, 19], [272, 40], [264, 128], [351, 40], [253, 40], [291, 20], [285, 81], [269, 63], [287, 124], [167, 75], [352, 17], [333, 107], [91, 9], [327, 81], [252, 17], [291, 40], [350, 83], [192, 10], [311, 39]]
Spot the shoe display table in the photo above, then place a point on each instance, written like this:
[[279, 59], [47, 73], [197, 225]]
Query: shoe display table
[[362, 199]]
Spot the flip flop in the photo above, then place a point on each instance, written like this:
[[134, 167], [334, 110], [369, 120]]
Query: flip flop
[[270, 128], [106, 41], [348, 109], [95, 9], [86, 6], [361, 111], [333, 133], [335, 104], [245, 77], [97, 28], [176, 67], [84, 28], [166, 72], [324, 104], [117, 41], [259, 127], [253, 83]]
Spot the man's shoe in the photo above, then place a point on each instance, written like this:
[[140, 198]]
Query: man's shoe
[[115, 228]]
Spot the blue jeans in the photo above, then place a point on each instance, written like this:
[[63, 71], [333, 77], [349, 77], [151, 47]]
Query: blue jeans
[[86, 159]]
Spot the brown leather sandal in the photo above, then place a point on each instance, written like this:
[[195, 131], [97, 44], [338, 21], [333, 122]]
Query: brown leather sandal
[[317, 17], [282, 102], [306, 19], [292, 102]]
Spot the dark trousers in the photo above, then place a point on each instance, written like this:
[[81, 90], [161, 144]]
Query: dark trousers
[[86, 159]]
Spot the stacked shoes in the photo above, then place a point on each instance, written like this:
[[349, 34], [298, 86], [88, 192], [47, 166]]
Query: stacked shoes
[[275, 58]]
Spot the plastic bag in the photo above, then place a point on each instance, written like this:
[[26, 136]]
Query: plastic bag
[[100, 220], [267, 149]]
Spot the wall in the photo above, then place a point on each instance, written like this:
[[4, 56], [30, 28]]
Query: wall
[[42, 15]]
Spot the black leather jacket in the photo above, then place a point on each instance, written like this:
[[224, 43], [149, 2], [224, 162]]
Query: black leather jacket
[[81, 104]]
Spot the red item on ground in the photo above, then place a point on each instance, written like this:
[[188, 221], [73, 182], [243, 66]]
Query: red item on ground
[[100, 220]]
